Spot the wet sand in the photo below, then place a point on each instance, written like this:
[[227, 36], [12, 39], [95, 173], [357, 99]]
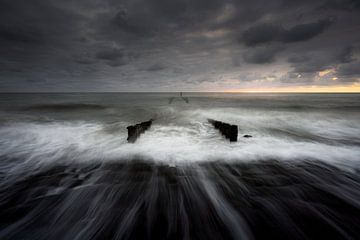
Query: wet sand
[[210, 200]]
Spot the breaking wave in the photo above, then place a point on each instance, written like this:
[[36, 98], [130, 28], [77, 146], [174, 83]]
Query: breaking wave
[[197, 141]]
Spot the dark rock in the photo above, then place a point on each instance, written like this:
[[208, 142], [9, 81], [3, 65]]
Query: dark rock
[[229, 131], [247, 136], [135, 131]]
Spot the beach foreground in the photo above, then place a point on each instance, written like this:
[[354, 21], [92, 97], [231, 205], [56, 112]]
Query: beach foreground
[[142, 200]]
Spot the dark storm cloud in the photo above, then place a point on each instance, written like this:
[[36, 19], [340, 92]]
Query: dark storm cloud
[[304, 32], [348, 5], [351, 69], [124, 23], [345, 55], [145, 19], [82, 60], [315, 62], [262, 54], [266, 33], [114, 56], [110, 54], [156, 67], [22, 34], [263, 33], [338, 63], [132, 45], [37, 21]]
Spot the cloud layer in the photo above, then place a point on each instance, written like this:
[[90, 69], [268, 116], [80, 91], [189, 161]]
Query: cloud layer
[[160, 45]]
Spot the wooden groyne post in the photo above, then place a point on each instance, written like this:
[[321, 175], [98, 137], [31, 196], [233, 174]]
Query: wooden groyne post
[[136, 130], [229, 131]]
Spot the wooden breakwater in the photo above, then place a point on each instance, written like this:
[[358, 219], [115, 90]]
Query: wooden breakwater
[[228, 130], [134, 131]]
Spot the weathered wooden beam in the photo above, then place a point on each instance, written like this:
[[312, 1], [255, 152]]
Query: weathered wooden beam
[[136, 130], [229, 131]]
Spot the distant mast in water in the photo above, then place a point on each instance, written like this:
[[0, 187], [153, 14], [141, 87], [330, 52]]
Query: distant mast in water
[[185, 99]]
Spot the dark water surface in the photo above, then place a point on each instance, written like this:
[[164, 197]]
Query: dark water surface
[[67, 171]]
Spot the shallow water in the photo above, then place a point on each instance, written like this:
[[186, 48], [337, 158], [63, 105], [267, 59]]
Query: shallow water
[[67, 171]]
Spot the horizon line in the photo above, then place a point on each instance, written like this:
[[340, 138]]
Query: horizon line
[[305, 92]]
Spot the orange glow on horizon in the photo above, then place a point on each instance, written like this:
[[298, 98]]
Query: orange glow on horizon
[[355, 88]]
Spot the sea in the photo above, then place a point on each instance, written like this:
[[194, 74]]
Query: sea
[[67, 170]]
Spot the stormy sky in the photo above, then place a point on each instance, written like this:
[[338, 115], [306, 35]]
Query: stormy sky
[[178, 45]]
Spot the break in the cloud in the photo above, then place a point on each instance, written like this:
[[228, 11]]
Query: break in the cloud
[[161, 45]]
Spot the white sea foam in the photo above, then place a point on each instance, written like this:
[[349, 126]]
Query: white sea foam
[[196, 141], [180, 132]]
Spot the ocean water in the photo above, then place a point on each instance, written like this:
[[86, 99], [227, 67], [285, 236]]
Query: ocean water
[[67, 171]]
